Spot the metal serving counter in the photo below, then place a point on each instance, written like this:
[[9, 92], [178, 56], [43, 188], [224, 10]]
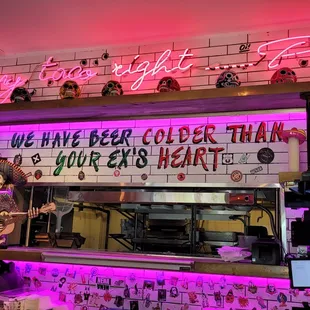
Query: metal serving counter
[[143, 261]]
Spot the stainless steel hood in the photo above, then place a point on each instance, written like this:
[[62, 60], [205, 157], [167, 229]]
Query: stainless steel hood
[[153, 194]]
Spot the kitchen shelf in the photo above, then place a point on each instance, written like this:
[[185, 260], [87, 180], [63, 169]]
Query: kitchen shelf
[[214, 215], [193, 102], [178, 242], [220, 243]]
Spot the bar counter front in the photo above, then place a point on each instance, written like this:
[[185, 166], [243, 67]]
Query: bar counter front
[[152, 236]]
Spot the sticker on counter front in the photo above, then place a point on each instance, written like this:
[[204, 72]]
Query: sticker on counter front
[[174, 281], [243, 302], [252, 288], [147, 301], [229, 298], [93, 273], [119, 301], [86, 293], [78, 299], [132, 278], [148, 285], [107, 296], [37, 283], [271, 289], [294, 292], [70, 274], [174, 292], [28, 268], [134, 305], [103, 283], [42, 271], [62, 296], [185, 283], [55, 273], [192, 296], [211, 285], [160, 278], [199, 282], [62, 281], [162, 295], [27, 281], [261, 302], [72, 287], [126, 292], [282, 299], [218, 299], [205, 300], [222, 283]]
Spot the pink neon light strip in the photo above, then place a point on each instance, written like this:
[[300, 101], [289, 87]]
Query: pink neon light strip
[[10, 84], [143, 68], [75, 73]]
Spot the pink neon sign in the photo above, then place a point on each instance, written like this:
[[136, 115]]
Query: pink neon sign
[[293, 42], [145, 70], [10, 84], [75, 73]]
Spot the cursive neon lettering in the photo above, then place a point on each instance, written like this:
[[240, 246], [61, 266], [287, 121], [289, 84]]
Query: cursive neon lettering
[[277, 59], [10, 84], [285, 53], [145, 70], [74, 73]]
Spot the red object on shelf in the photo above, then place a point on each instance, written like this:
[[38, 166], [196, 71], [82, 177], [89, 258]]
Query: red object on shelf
[[241, 199]]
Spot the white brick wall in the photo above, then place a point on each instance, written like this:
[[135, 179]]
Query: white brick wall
[[219, 50], [132, 173]]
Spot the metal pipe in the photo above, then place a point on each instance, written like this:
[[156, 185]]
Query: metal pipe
[[49, 195], [308, 130], [136, 228], [29, 220], [107, 229], [193, 230]]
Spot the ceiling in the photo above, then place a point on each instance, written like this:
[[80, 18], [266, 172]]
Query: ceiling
[[41, 25]]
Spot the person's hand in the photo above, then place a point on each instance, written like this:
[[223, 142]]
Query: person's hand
[[33, 212]]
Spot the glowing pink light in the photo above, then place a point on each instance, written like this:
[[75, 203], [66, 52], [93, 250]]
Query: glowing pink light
[[271, 65], [275, 62], [143, 68], [75, 73], [10, 84]]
